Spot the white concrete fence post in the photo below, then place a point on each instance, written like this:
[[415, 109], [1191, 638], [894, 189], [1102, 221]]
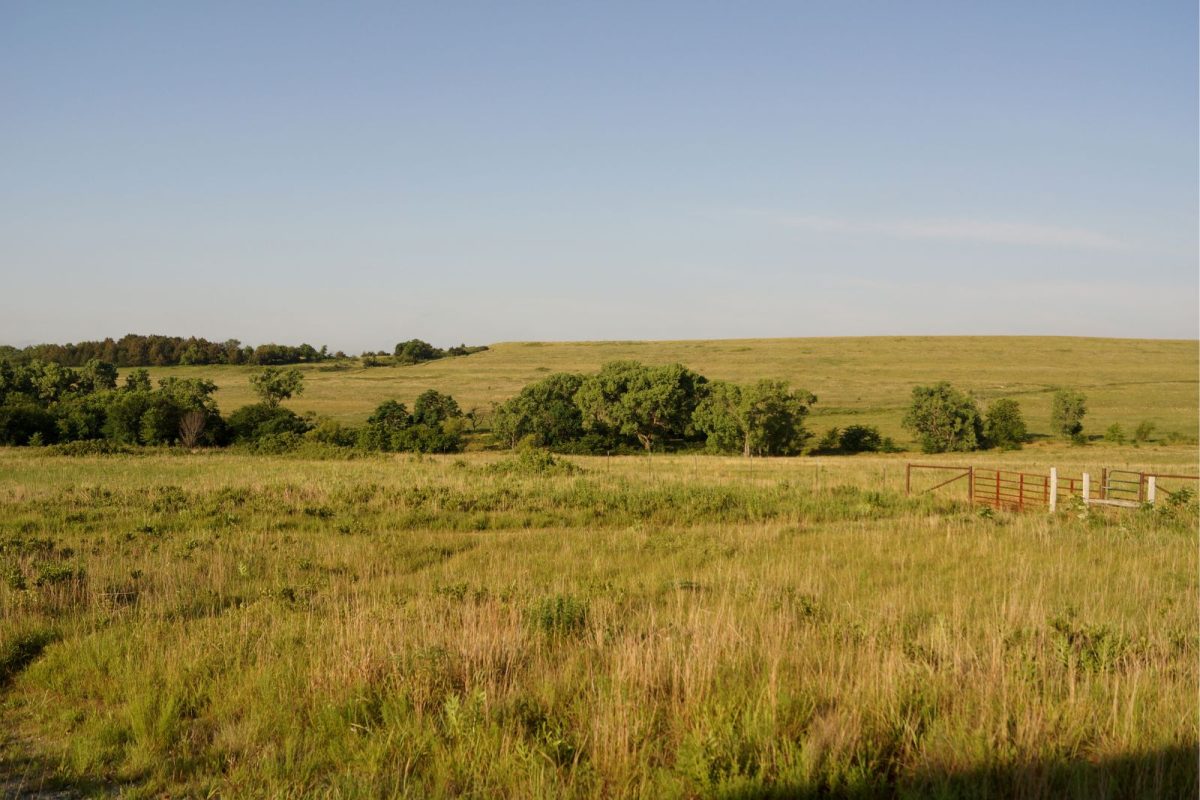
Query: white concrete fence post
[[1150, 490], [1053, 498], [1087, 488]]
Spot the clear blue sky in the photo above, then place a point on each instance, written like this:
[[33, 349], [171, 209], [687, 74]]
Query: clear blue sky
[[358, 173]]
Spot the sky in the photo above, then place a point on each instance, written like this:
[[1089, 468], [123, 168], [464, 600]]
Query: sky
[[356, 174]]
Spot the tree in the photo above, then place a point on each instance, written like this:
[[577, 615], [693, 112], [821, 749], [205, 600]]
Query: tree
[[944, 419], [414, 351], [1005, 426], [386, 427], [647, 403], [544, 412], [276, 385], [1067, 410], [437, 424], [765, 419]]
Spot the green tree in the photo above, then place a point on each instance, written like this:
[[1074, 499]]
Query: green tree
[[276, 385], [544, 412], [1115, 434], [765, 419], [437, 424], [1005, 426], [647, 403], [386, 428], [944, 419], [1067, 410], [414, 351]]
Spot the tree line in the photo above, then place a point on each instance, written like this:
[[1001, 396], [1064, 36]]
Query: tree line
[[625, 406], [135, 350]]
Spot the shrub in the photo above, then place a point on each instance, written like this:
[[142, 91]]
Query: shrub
[[1005, 426], [260, 420], [860, 439], [1144, 431], [1115, 434]]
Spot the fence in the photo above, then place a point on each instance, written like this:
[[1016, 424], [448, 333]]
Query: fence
[[1019, 491]]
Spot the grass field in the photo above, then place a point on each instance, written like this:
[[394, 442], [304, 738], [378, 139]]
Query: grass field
[[219, 624], [856, 380]]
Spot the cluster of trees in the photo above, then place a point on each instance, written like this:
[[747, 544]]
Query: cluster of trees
[[43, 403], [628, 403], [946, 419], [416, 351], [46, 403], [133, 350]]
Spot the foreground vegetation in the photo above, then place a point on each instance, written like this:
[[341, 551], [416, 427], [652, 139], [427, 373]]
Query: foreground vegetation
[[235, 625]]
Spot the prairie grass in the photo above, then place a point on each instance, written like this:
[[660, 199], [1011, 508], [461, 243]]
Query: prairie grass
[[219, 624], [860, 380]]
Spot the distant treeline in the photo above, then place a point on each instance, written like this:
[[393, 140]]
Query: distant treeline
[[135, 350]]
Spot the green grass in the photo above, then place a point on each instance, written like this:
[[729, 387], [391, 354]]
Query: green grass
[[217, 624], [866, 380]]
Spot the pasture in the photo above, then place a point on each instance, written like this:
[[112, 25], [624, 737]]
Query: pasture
[[863, 380], [221, 624]]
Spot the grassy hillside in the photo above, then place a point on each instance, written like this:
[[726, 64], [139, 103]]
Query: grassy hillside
[[216, 624], [857, 380]]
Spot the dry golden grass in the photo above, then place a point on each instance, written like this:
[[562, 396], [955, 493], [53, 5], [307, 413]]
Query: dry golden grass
[[677, 626]]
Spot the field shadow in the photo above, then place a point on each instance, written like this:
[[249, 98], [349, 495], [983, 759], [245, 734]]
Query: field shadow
[[1167, 774]]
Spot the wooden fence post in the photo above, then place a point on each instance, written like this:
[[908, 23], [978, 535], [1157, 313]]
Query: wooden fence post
[[908, 478], [971, 485], [1104, 483], [1053, 499], [1150, 490], [1020, 491]]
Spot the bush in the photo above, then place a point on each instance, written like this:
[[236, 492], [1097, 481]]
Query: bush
[[90, 447], [1005, 426], [331, 432], [260, 420], [1144, 431], [1115, 434], [860, 439]]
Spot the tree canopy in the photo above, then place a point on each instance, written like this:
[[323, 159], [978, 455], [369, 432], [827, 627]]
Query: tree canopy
[[944, 419]]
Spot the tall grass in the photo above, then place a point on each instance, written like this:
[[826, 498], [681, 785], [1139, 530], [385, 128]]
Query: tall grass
[[229, 625]]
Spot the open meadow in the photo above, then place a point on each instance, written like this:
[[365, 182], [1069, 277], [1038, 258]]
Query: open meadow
[[218, 624], [857, 380]]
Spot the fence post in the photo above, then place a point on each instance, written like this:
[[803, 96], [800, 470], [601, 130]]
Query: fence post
[[1053, 489], [1104, 483], [1141, 487], [908, 479], [1021, 491], [1150, 490], [1087, 487]]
